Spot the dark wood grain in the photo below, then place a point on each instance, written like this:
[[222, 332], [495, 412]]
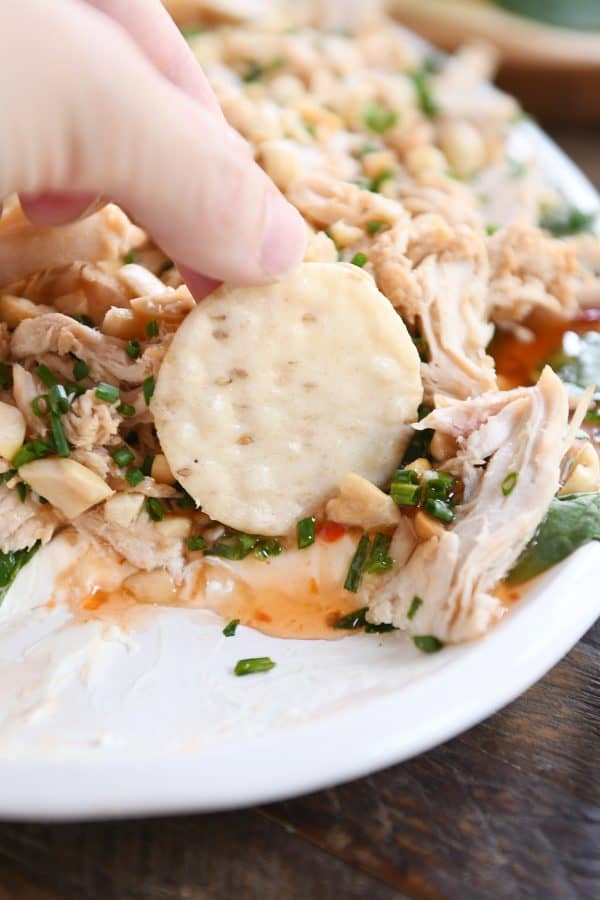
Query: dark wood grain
[[510, 809]]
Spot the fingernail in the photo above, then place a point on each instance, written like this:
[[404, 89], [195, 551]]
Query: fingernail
[[285, 235]]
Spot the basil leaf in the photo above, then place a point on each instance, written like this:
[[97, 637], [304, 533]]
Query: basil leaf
[[568, 13], [570, 522], [11, 564]]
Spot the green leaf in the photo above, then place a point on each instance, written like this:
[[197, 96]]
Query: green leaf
[[578, 360], [11, 564], [566, 13], [563, 221], [570, 522]]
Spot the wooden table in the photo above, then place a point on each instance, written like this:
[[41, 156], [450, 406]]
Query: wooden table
[[511, 809]]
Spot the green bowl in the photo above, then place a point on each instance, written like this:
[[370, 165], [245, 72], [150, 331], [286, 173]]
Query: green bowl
[[583, 14]]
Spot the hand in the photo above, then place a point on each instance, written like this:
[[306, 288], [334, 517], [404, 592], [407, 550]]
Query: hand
[[104, 97]]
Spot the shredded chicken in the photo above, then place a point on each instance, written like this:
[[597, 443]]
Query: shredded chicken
[[91, 422], [105, 356], [144, 546], [520, 431], [23, 522]]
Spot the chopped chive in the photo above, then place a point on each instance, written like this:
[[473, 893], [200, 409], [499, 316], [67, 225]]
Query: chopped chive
[[126, 409], [405, 494], [58, 399], [516, 167], [439, 509], [254, 72], [422, 348], [30, 451], [148, 389], [378, 180], [6, 476], [73, 389], [81, 370], [353, 577], [352, 620], [439, 487], [85, 320], [134, 476], [233, 546], [60, 438], [147, 465], [379, 560], [366, 149], [36, 405], [133, 349], [45, 375], [123, 456], [22, 491], [359, 259], [155, 509], [5, 376], [266, 548], [230, 628], [509, 483], [382, 628], [305, 532], [415, 604], [128, 258], [427, 643], [152, 328], [196, 542], [42, 500], [107, 392], [426, 101], [185, 501], [374, 226], [491, 229], [378, 118], [250, 666], [562, 222]]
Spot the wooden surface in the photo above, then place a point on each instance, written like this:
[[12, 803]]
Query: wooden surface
[[511, 809]]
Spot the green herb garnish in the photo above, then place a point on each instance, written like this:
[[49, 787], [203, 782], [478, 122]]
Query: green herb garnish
[[509, 483], [148, 389], [230, 628], [126, 410], [30, 451], [378, 118], [378, 179], [562, 222], [427, 643], [375, 225], [267, 548], [147, 465], [40, 410], [405, 488], [123, 456], [46, 376], [155, 509], [6, 476], [233, 546], [379, 560], [195, 542], [107, 392], [305, 532], [133, 349], [81, 370], [58, 399], [422, 87], [439, 509], [415, 604], [85, 320], [251, 666], [60, 438], [134, 477], [359, 259], [352, 620], [352, 582], [22, 491], [152, 328], [129, 257]]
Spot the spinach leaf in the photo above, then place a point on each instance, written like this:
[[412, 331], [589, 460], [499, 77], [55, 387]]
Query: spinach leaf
[[563, 221], [570, 522], [10, 565], [568, 13]]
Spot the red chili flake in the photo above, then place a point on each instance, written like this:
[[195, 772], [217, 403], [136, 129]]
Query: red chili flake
[[331, 532]]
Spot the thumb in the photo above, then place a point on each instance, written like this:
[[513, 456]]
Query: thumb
[[120, 129]]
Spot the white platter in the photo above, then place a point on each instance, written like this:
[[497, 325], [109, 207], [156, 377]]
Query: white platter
[[98, 722]]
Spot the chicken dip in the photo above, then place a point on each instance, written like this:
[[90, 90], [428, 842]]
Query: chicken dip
[[392, 437]]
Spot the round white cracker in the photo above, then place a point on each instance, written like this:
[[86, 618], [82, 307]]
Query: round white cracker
[[268, 395]]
